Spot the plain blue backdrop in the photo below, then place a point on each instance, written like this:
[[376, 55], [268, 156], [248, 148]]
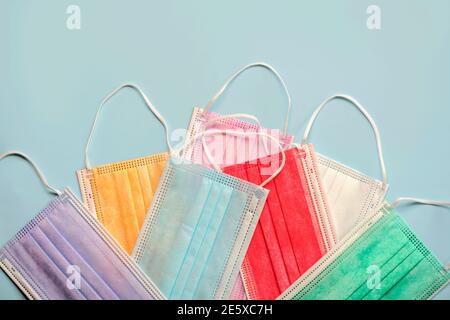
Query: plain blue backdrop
[[52, 80]]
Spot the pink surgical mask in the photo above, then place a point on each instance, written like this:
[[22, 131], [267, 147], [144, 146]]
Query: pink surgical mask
[[228, 150]]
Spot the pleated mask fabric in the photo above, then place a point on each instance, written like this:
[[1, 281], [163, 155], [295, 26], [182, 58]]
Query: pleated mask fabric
[[226, 149], [381, 258], [64, 253], [351, 194], [295, 228], [120, 194], [197, 230]]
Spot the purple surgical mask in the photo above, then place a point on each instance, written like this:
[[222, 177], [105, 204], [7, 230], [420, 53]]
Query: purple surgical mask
[[65, 253]]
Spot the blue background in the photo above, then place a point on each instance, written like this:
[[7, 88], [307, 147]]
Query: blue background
[[52, 80]]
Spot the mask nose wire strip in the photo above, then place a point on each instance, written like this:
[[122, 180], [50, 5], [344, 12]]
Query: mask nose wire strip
[[109, 96], [366, 115], [35, 167], [243, 134], [247, 67], [242, 116]]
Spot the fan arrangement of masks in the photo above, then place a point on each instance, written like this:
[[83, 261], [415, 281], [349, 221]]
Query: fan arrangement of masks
[[240, 211]]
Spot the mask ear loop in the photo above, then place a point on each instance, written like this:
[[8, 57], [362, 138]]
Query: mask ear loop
[[242, 116], [249, 66], [109, 96], [399, 200], [35, 167], [438, 203], [366, 115], [242, 134]]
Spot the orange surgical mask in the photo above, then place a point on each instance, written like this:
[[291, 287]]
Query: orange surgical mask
[[120, 194]]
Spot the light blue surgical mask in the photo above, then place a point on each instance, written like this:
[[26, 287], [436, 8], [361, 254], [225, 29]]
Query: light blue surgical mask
[[198, 229]]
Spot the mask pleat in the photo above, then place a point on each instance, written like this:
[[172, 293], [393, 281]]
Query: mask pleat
[[229, 149], [286, 237], [64, 253], [299, 214], [73, 257], [387, 261], [259, 244], [145, 186], [395, 276], [402, 253], [138, 195], [34, 259], [72, 225], [275, 235], [215, 252], [365, 252], [154, 173], [122, 194], [195, 245], [396, 262], [216, 144], [126, 211], [350, 268], [249, 149], [297, 204], [204, 243], [151, 176], [197, 232], [170, 247], [109, 199], [419, 282], [62, 263], [415, 275]]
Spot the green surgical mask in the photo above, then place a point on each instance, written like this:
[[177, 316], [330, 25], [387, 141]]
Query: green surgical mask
[[381, 258]]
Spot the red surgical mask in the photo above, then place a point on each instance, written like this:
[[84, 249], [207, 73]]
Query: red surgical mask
[[295, 228]]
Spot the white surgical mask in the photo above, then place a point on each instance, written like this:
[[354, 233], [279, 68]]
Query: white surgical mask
[[352, 195]]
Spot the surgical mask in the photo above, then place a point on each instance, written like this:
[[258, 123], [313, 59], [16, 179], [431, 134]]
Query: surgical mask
[[119, 194], [381, 258], [64, 253], [198, 229], [295, 228], [226, 149], [351, 195]]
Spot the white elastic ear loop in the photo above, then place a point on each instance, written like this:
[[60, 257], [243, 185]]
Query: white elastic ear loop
[[35, 167], [109, 96], [366, 115], [241, 116], [399, 200], [242, 134], [249, 66]]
